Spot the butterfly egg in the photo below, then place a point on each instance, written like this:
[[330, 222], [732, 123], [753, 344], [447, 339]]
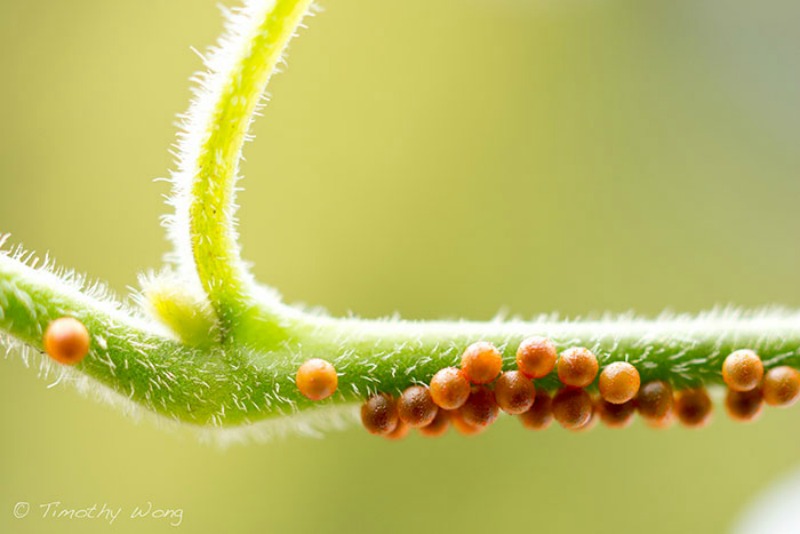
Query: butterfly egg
[[781, 386], [742, 370], [654, 400], [619, 382], [463, 427], [399, 432], [540, 415], [480, 409], [693, 407], [438, 426], [514, 392], [572, 408], [536, 357], [744, 406], [663, 423], [577, 367], [316, 379], [593, 418], [415, 407], [481, 362], [379, 414], [615, 415], [66, 340], [449, 388]]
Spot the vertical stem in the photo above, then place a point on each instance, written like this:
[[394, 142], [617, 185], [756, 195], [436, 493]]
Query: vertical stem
[[240, 71]]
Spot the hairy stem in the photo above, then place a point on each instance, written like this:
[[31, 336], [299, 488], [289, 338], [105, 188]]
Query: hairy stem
[[685, 351], [238, 367], [235, 385], [239, 73]]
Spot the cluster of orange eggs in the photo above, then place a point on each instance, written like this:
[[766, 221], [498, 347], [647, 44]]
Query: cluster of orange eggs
[[471, 397], [749, 387]]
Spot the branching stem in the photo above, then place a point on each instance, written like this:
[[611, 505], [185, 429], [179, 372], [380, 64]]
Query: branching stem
[[234, 385], [245, 373], [239, 73]]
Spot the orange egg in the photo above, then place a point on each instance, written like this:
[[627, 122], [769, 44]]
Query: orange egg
[[591, 423], [536, 357], [744, 406], [619, 382], [514, 392], [615, 415], [399, 432], [540, 415], [572, 408], [480, 408], [654, 400], [742, 370], [577, 367], [449, 388], [661, 423], [463, 427], [438, 426], [481, 362], [316, 379], [416, 407], [67, 340], [693, 407], [379, 414], [781, 386]]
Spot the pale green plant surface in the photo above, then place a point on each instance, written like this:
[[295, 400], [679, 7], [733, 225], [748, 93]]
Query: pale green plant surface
[[218, 350]]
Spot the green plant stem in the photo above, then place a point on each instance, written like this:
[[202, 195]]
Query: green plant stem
[[246, 373], [235, 385], [239, 86]]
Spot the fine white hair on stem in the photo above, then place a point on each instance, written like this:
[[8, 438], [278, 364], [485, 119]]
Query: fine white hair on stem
[[221, 63], [313, 423], [219, 354], [49, 273]]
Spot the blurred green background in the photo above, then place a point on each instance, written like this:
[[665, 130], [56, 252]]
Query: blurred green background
[[438, 159]]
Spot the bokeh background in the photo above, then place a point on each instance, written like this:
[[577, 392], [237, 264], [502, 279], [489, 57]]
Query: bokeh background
[[437, 159]]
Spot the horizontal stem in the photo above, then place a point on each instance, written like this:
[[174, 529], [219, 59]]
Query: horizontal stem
[[685, 351], [128, 355], [234, 385]]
